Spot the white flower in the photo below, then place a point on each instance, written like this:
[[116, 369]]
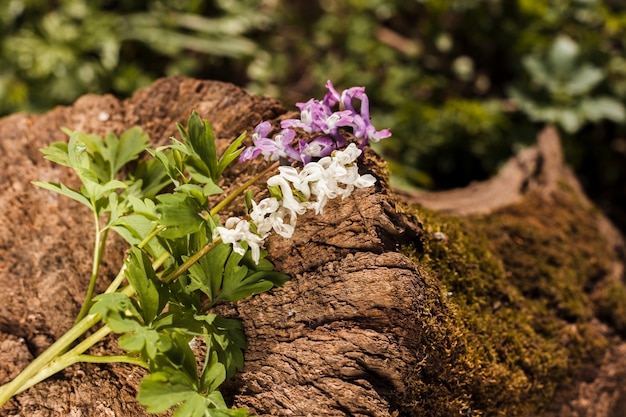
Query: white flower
[[347, 156], [289, 201], [330, 177], [235, 231], [270, 215], [259, 211], [282, 221]]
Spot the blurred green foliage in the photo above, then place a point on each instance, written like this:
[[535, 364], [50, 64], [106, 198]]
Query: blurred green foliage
[[462, 83], [51, 52]]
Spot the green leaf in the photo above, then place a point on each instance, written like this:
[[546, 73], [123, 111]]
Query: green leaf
[[160, 391], [194, 191], [583, 80], [63, 190], [152, 175], [145, 207], [210, 188], [240, 281], [570, 120], [163, 390], [141, 339], [202, 141], [126, 148], [99, 191], [227, 338], [168, 162], [57, 152], [134, 228], [563, 54], [214, 372], [152, 294], [599, 108], [537, 70], [180, 213], [195, 405], [207, 274], [179, 355], [230, 154], [118, 312]]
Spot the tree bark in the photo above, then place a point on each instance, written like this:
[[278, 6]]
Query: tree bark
[[503, 298]]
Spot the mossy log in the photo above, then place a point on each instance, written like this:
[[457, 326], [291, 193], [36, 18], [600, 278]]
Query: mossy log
[[504, 298]]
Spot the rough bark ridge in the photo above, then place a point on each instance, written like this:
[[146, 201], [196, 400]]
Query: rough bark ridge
[[368, 324]]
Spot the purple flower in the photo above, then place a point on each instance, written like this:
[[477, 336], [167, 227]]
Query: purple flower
[[311, 113], [331, 124], [332, 98], [361, 124], [317, 148], [272, 149], [364, 129], [318, 117]]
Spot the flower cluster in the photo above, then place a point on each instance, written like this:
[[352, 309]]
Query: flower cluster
[[294, 192], [319, 119], [329, 166]]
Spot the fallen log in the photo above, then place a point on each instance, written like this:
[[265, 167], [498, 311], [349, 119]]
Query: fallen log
[[503, 298]]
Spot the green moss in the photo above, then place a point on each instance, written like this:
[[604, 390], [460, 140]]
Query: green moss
[[516, 294]]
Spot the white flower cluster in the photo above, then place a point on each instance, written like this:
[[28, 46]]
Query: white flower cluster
[[333, 176]]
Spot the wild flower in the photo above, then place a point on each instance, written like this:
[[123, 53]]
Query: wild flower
[[323, 120], [309, 188]]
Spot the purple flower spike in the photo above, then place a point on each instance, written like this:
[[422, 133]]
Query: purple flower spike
[[333, 98], [331, 124], [317, 117]]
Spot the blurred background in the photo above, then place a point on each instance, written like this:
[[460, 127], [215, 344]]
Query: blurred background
[[463, 84]]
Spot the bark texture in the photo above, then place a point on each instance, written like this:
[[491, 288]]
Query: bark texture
[[393, 309]]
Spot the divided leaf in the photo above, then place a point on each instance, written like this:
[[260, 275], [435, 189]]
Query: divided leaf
[[241, 281], [152, 294], [180, 213]]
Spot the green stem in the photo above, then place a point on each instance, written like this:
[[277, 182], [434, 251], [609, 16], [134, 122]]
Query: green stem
[[99, 245], [190, 261], [242, 189], [156, 264], [156, 229], [115, 284], [65, 360], [53, 360], [112, 359], [11, 388]]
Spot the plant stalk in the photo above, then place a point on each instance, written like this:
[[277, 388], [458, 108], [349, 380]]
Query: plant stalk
[[99, 245], [225, 202]]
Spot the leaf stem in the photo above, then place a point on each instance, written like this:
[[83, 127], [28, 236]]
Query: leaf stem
[[53, 360], [190, 261], [112, 359], [65, 360], [225, 202], [99, 245]]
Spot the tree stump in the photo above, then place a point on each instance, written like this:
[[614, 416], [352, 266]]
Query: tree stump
[[503, 298]]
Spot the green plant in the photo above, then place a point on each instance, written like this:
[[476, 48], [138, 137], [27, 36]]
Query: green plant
[[564, 89], [53, 52]]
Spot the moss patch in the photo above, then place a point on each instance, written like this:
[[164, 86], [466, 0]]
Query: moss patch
[[516, 294]]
